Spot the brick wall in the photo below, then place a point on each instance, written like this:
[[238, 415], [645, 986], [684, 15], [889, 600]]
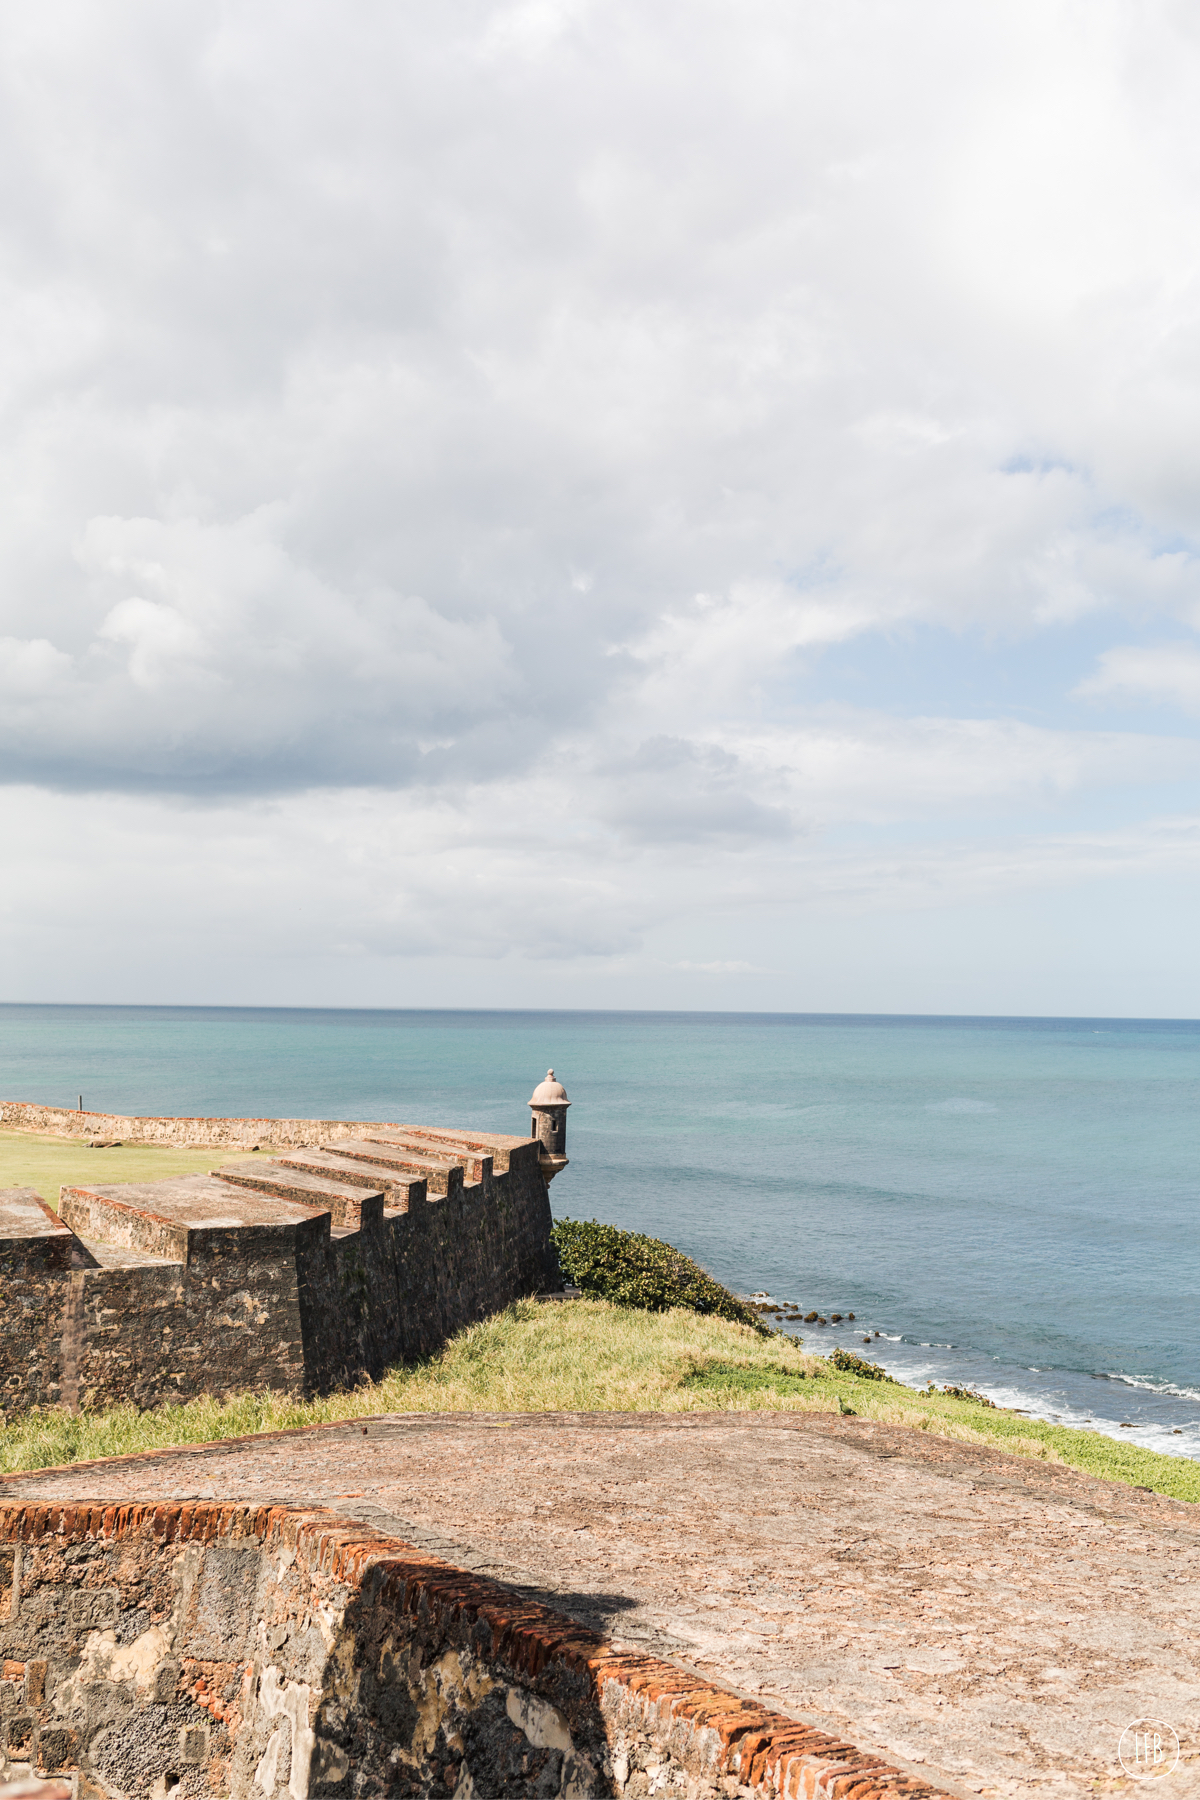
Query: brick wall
[[196, 1650]]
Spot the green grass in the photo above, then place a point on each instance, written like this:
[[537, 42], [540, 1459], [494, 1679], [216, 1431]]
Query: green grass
[[943, 1415], [48, 1164], [593, 1356]]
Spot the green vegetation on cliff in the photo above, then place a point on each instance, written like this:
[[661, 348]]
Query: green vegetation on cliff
[[631, 1270]]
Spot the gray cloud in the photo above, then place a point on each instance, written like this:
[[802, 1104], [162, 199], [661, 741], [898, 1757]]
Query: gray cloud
[[672, 791]]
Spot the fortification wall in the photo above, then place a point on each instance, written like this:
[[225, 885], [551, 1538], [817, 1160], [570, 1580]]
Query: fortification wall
[[203, 1650], [35, 1264], [301, 1276]]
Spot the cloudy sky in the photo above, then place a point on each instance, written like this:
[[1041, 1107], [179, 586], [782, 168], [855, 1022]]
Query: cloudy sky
[[692, 504]]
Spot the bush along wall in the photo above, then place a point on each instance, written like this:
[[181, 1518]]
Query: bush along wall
[[632, 1270]]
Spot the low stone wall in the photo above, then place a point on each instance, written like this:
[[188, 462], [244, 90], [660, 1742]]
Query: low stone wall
[[64, 1121], [177, 1652]]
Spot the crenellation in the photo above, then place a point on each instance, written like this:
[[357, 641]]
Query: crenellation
[[442, 1172], [345, 1203], [498, 1145], [310, 1271], [439, 1177], [407, 1150]]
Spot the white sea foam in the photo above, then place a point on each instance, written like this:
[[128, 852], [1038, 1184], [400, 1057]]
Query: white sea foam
[[1152, 1387]]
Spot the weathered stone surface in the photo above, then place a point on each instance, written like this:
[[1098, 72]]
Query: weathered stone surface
[[439, 1175], [36, 1252], [417, 1154], [345, 1203], [217, 1649], [31, 1233], [985, 1620], [63, 1121]]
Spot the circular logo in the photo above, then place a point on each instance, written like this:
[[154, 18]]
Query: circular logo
[[1148, 1748]]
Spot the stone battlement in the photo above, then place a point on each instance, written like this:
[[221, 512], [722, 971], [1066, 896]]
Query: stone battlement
[[361, 1245]]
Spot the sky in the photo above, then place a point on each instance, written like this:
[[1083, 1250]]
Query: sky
[[570, 504]]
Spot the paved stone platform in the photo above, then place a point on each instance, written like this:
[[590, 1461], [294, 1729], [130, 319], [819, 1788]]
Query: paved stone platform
[[991, 1623]]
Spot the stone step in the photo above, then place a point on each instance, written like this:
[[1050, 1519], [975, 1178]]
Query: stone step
[[180, 1218], [388, 1154], [476, 1163], [437, 1178], [348, 1205], [95, 1255], [31, 1233], [506, 1151]]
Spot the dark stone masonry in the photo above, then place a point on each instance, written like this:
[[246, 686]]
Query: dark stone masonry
[[366, 1247]]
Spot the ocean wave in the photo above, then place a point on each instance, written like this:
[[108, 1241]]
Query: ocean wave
[[1150, 1387]]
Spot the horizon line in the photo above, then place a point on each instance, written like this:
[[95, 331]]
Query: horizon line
[[646, 1012]]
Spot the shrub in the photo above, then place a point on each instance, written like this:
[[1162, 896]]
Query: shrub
[[849, 1364], [632, 1270]]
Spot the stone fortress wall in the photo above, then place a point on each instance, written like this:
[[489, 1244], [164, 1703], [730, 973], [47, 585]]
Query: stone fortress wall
[[360, 1245]]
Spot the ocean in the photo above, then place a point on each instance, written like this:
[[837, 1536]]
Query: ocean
[[1012, 1204]]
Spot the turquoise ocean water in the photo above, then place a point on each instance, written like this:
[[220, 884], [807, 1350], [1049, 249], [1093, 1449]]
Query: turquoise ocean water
[[1011, 1203]]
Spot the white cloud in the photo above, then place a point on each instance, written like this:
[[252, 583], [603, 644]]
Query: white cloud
[[1167, 673], [31, 669], [163, 644]]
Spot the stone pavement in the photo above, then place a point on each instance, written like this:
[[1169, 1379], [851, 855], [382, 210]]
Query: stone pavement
[[991, 1623]]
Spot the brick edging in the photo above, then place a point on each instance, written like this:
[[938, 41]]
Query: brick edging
[[776, 1757]]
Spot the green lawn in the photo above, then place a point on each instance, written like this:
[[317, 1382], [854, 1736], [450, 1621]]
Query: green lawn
[[593, 1356], [47, 1164]]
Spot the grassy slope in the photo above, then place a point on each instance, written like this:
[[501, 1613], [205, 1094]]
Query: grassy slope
[[47, 1163], [591, 1356]]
